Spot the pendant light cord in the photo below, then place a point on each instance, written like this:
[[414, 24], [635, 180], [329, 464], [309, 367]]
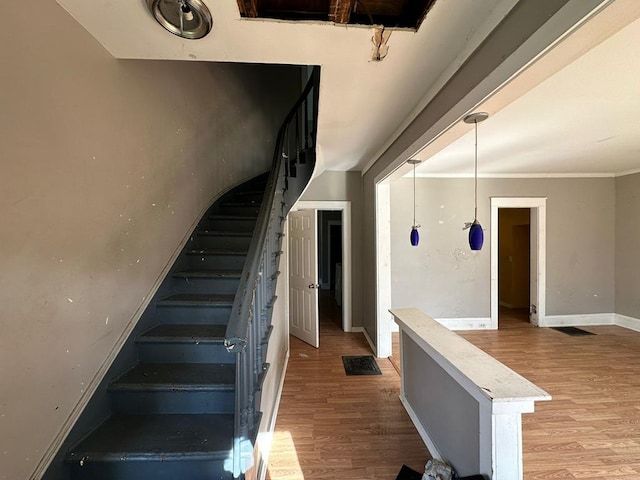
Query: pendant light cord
[[414, 194], [475, 214]]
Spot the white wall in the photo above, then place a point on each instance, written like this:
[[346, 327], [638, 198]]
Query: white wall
[[627, 242], [106, 165], [445, 279]]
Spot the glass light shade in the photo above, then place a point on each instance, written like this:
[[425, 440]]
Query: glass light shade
[[476, 236], [415, 236]]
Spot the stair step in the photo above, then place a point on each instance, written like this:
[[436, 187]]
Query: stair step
[[231, 223], [209, 258], [176, 376], [191, 309], [184, 334], [173, 388], [125, 438], [223, 240], [233, 274], [184, 344], [207, 281], [197, 300]]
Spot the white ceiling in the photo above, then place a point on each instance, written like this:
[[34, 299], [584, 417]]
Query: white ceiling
[[363, 104], [576, 112]]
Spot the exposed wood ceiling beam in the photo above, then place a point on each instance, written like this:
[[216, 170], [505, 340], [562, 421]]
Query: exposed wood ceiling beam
[[340, 10], [248, 8]]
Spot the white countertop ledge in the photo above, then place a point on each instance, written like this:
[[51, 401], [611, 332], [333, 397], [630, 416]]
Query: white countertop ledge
[[476, 371]]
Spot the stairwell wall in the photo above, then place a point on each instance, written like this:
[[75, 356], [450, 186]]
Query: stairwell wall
[[106, 167]]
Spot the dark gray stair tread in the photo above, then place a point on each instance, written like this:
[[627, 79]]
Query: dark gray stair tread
[[184, 334], [197, 299], [177, 376], [220, 216], [209, 274], [224, 233], [216, 251], [160, 437]]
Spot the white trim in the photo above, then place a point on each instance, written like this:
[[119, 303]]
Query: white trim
[[263, 463], [540, 205], [481, 323], [384, 321], [369, 341], [345, 207], [579, 319], [428, 441], [517, 175], [627, 322]]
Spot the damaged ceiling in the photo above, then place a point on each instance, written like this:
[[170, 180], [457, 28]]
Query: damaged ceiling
[[387, 13]]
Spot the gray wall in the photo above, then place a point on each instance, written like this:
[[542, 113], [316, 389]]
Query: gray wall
[[106, 165], [345, 186], [445, 279], [627, 245]]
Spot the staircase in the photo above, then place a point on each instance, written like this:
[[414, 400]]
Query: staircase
[[173, 411], [182, 398]]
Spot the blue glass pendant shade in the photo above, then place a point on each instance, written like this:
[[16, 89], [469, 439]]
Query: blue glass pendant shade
[[476, 236], [415, 236]]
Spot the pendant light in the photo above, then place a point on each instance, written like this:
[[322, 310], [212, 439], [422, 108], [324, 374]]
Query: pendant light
[[414, 237], [476, 234]]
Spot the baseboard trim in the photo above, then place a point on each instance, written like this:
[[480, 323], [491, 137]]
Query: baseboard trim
[[431, 446], [584, 319], [369, 341], [627, 322], [263, 454], [481, 323], [357, 330]]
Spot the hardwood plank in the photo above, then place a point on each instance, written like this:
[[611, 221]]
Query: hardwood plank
[[331, 425]]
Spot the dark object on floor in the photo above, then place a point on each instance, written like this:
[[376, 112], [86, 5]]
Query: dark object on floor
[[361, 365], [473, 477], [573, 331], [407, 473]]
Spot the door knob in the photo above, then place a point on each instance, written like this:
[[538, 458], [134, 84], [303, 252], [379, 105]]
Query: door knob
[[314, 285]]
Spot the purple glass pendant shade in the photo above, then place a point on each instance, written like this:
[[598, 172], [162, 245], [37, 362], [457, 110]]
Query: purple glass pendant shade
[[415, 236], [476, 235]]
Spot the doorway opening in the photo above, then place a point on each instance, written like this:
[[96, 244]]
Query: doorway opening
[[319, 267], [536, 209], [330, 267], [514, 269]]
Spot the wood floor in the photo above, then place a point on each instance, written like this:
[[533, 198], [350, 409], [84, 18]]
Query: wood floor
[[333, 426], [591, 428]]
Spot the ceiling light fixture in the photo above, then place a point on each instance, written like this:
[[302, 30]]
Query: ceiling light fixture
[[188, 19], [414, 237], [476, 234]]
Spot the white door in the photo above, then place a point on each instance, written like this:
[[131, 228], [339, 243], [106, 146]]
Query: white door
[[303, 276]]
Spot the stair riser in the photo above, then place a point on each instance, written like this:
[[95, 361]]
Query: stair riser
[[187, 402], [184, 353], [194, 315], [216, 262], [150, 470], [218, 285], [240, 210], [223, 241], [230, 225]]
